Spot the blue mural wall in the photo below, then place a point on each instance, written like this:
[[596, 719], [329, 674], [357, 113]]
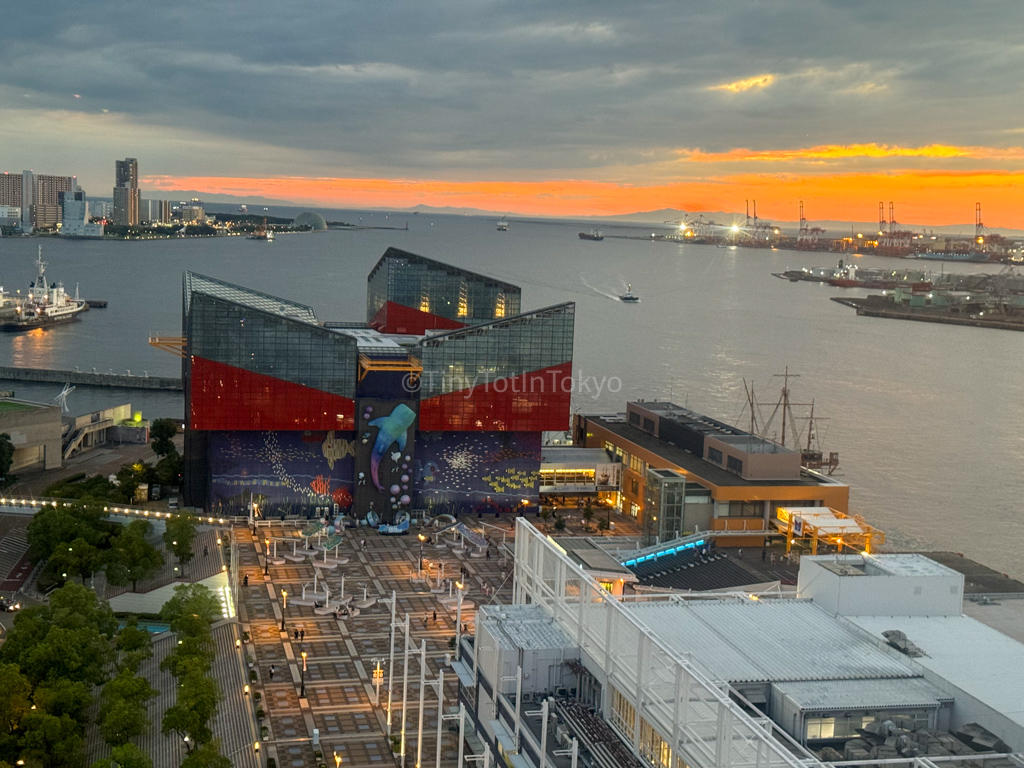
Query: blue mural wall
[[470, 469], [291, 472]]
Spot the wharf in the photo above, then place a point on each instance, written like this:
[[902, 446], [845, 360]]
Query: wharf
[[122, 380], [878, 306]]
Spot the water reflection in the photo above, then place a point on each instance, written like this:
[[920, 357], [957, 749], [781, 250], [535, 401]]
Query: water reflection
[[34, 349]]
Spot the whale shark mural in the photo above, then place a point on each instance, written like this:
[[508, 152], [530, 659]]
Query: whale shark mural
[[392, 429]]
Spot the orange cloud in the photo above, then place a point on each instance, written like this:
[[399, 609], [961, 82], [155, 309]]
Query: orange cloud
[[758, 81], [937, 197], [843, 151]]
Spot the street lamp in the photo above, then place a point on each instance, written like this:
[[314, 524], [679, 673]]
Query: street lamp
[[302, 689], [266, 556], [419, 564], [458, 620], [337, 760], [284, 596]]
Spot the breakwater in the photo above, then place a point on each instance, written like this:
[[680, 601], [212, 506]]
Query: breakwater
[[123, 380]]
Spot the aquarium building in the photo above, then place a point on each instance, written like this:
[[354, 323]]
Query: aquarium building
[[437, 400]]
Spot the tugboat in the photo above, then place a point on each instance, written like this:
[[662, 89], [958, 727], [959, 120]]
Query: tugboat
[[594, 234], [503, 225], [629, 297], [45, 305]]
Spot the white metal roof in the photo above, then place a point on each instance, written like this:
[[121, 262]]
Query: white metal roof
[[524, 626], [768, 640], [979, 660], [908, 565], [862, 694]]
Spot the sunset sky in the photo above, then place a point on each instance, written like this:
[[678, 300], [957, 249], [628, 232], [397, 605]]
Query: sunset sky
[[535, 107]]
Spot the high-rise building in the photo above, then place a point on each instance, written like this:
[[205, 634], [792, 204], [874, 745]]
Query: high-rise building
[[10, 189], [156, 211], [37, 195], [127, 198]]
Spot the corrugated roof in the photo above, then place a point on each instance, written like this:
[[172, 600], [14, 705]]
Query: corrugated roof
[[862, 694], [524, 626], [769, 640], [974, 657]]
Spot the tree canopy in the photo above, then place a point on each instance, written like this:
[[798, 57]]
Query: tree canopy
[[180, 533], [132, 558]]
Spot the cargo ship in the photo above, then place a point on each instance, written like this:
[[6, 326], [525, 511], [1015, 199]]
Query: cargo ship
[[594, 234], [44, 306]]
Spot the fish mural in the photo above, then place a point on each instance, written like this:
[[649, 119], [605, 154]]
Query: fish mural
[[391, 430]]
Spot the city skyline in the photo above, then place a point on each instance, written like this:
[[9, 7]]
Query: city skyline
[[535, 109]]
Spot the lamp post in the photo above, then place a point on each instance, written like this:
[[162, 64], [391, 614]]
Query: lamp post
[[458, 620], [266, 556], [284, 596], [419, 562], [302, 688]]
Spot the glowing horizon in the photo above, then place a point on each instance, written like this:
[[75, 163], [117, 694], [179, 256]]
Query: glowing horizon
[[927, 198]]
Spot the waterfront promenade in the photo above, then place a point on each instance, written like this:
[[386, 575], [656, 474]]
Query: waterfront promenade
[[340, 693]]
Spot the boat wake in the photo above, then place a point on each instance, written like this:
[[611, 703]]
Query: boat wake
[[599, 291]]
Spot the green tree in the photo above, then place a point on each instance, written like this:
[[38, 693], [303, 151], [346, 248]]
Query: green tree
[[206, 756], [132, 557], [162, 433], [170, 468], [559, 523], [6, 454], [123, 714], [133, 644], [54, 527], [588, 514], [125, 756], [78, 557], [65, 697], [190, 602], [69, 638], [180, 533], [15, 701], [190, 715], [51, 741]]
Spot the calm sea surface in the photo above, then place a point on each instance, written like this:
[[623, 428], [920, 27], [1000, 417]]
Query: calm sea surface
[[927, 418]]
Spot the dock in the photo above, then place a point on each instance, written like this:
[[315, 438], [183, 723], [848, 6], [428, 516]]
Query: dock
[[877, 306], [122, 380]]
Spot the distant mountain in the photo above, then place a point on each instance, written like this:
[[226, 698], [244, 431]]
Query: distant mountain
[[209, 197]]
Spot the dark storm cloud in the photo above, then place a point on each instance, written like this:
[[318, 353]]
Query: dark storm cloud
[[457, 87]]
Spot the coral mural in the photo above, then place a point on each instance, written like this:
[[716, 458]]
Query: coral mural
[[473, 468], [290, 471]]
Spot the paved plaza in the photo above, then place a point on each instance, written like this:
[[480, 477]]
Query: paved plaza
[[340, 693]]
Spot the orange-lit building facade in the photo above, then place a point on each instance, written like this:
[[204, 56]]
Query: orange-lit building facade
[[737, 480]]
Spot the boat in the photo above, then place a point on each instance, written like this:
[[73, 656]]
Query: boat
[[45, 305], [594, 234], [629, 297], [503, 225], [263, 233], [880, 279]]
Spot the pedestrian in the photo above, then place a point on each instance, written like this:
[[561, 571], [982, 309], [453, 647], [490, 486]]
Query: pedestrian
[[362, 544], [435, 616], [764, 554], [488, 553], [463, 628], [335, 615], [206, 550], [772, 558], [302, 635], [272, 670], [245, 580], [739, 553], [296, 635], [425, 620]]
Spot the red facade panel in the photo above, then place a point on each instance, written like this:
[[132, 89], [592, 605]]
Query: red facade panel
[[533, 402], [224, 397], [398, 318]]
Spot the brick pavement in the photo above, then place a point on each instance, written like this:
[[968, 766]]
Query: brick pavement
[[339, 689]]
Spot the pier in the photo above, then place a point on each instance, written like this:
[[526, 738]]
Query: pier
[[124, 380], [877, 306]]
